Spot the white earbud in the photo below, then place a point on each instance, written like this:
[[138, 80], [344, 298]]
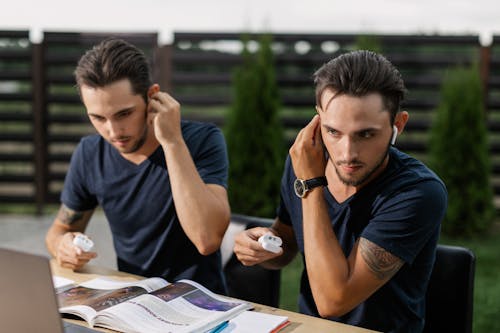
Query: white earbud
[[394, 134]]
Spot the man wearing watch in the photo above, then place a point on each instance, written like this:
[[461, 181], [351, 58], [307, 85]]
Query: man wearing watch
[[364, 216]]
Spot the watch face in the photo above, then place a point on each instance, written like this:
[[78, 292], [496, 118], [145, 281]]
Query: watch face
[[299, 187]]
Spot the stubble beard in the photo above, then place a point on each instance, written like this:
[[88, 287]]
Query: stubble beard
[[138, 143], [364, 177]]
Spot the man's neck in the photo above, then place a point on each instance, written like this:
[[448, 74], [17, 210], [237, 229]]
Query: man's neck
[[340, 190], [146, 150]]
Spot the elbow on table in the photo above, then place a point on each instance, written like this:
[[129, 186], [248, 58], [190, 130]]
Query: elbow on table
[[332, 312], [333, 307]]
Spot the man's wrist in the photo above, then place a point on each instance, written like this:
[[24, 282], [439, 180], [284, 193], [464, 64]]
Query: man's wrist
[[302, 187]]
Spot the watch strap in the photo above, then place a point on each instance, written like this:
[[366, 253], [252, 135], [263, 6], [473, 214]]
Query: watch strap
[[315, 182]]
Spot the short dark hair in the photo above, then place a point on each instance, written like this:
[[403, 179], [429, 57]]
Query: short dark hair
[[112, 60], [359, 73]]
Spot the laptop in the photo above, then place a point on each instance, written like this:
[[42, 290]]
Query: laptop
[[27, 299]]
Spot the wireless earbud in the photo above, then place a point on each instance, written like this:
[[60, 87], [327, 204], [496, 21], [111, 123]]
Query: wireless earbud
[[394, 134]]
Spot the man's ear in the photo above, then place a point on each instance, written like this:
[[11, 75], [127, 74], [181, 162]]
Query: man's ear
[[153, 89], [401, 120]]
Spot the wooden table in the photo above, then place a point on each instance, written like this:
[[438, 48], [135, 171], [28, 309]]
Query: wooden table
[[299, 323]]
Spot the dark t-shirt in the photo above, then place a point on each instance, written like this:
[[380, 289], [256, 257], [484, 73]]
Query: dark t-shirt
[[138, 204], [400, 211]]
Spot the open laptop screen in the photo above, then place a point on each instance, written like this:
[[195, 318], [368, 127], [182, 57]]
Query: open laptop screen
[[27, 298]]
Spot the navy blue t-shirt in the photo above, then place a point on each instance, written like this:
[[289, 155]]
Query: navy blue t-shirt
[[138, 203], [401, 211]]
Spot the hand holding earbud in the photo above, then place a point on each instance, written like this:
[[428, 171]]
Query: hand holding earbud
[[270, 242]]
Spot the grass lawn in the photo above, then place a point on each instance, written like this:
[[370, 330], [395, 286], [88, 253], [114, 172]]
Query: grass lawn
[[487, 279], [290, 282], [486, 288]]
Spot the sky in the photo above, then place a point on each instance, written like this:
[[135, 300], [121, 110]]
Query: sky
[[478, 17]]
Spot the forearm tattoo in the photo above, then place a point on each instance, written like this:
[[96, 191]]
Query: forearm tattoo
[[68, 216], [381, 262]]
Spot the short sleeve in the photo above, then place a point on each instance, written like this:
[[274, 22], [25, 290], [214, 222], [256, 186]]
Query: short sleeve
[[209, 154], [408, 219], [76, 193]]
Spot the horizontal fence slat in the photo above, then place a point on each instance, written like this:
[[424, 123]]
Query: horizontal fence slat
[[16, 137], [59, 157], [10, 178], [17, 199], [16, 157], [15, 97], [15, 116], [15, 55], [15, 34], [68, 118], [63, 99], [61, 138], [15, 75]]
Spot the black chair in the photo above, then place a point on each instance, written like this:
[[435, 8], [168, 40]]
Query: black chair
[[251, 283], [449, 302]]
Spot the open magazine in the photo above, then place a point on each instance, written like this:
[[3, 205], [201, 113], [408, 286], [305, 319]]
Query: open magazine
[[149, 305]]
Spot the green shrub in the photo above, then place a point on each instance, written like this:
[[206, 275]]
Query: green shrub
[[459, 153], [254, 135], [368, 42]]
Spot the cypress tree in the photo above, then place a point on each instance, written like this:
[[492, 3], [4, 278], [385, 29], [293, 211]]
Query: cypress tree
[[254, 135], [459, 153]]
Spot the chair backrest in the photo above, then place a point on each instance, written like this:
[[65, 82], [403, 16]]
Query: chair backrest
[[251, 283], [449, 302]]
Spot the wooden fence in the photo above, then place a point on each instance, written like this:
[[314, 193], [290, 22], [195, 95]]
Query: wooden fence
[[42, 118]]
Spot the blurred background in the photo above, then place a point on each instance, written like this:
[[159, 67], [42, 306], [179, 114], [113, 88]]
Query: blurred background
[[319, 16], [204, 52]]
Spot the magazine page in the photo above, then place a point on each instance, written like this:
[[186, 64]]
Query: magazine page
[[87, 299], [256, 322], [184, 306], [148, 284], [60, 282]]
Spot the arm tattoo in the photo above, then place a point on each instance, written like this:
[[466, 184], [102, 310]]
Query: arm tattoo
[[69, 216], [381, 262]]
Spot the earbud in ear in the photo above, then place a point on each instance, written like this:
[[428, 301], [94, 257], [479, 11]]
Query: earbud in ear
[[394, 134]]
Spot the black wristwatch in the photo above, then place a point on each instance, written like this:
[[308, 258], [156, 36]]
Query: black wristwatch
[[301, 186]]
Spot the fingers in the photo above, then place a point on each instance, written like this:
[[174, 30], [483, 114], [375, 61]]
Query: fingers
[[310, 135], [70, 256], [312, 131], [249, 251], [164, 116], [317, 139], [307, 150], [161, 101], [75, 263]]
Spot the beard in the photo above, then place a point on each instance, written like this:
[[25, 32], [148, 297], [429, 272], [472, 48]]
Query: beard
[[137, 144], [140, 142], [364, 177]]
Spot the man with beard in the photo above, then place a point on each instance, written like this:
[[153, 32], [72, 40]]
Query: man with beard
[[365, 216], [160, 181]]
